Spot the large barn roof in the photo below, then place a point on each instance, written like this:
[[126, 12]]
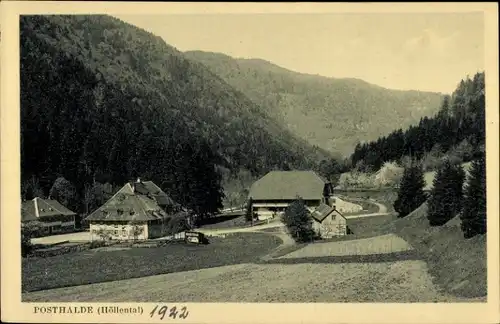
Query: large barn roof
[[135, 201], [288, 185]]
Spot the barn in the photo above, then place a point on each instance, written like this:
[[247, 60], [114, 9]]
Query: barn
[[275, 191]]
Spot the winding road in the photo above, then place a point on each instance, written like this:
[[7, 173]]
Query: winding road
[[276, 223], [382, 211]]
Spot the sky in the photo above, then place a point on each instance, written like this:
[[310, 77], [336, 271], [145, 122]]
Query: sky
[[426, 52]]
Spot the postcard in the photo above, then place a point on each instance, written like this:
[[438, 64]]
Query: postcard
[[249, 162]]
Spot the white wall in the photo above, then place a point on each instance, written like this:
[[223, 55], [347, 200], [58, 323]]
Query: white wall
[[110, 229], [263, 209], [331, 226]]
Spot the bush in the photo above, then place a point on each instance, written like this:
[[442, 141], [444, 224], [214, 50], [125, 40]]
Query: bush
[[59, 250], [28, 231], [298, 221], [177, 224], [96, 244]]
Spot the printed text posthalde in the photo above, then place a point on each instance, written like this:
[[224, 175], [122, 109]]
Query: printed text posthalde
[[74, 310]]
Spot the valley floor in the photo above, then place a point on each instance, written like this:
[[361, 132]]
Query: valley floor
[[379, 269]]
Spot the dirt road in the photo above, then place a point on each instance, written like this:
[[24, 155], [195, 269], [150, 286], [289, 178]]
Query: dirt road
[[382, 211]]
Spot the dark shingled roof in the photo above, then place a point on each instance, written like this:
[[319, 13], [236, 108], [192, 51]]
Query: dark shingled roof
[[39, 208], [322, 211], [148, 188], [28, 211], [288, 185], [135, 201]]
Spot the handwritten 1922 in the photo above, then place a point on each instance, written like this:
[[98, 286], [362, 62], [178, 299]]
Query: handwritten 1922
[[172, 312]]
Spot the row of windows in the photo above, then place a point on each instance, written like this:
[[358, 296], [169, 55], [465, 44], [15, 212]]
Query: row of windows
[[115, 231]]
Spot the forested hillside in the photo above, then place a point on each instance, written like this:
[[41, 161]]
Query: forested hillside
[[104, 101], [333, 114], [456, 131]]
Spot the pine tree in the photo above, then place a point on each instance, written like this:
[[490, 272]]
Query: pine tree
[[447, 194], [298, 221], [474, 210], [411, 190]]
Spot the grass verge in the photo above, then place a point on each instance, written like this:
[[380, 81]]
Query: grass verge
[[458, 265], [95, 266]]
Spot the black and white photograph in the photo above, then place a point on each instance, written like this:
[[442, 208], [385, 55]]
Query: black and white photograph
[[336, 157]]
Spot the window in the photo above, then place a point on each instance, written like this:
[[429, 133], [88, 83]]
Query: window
[[115, 232]]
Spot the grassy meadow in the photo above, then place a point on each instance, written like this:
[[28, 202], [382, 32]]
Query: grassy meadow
[[94, 266]]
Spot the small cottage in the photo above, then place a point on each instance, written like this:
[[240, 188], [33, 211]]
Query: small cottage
[[139, 210], [274, 192], [50, 215], [328, 222]]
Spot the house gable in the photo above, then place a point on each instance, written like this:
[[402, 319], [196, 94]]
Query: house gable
[[325, 213], [135, 201]]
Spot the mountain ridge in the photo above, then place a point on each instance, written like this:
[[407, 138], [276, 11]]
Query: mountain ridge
[[256, 60], [302, 102]]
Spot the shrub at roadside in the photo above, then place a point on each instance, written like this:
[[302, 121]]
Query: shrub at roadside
[[411, 190], [474, 210], [298, 221], [28, 231], [446, 197]]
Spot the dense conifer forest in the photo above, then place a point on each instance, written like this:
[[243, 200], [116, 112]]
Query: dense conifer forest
[[105, 102], [457, 130]]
